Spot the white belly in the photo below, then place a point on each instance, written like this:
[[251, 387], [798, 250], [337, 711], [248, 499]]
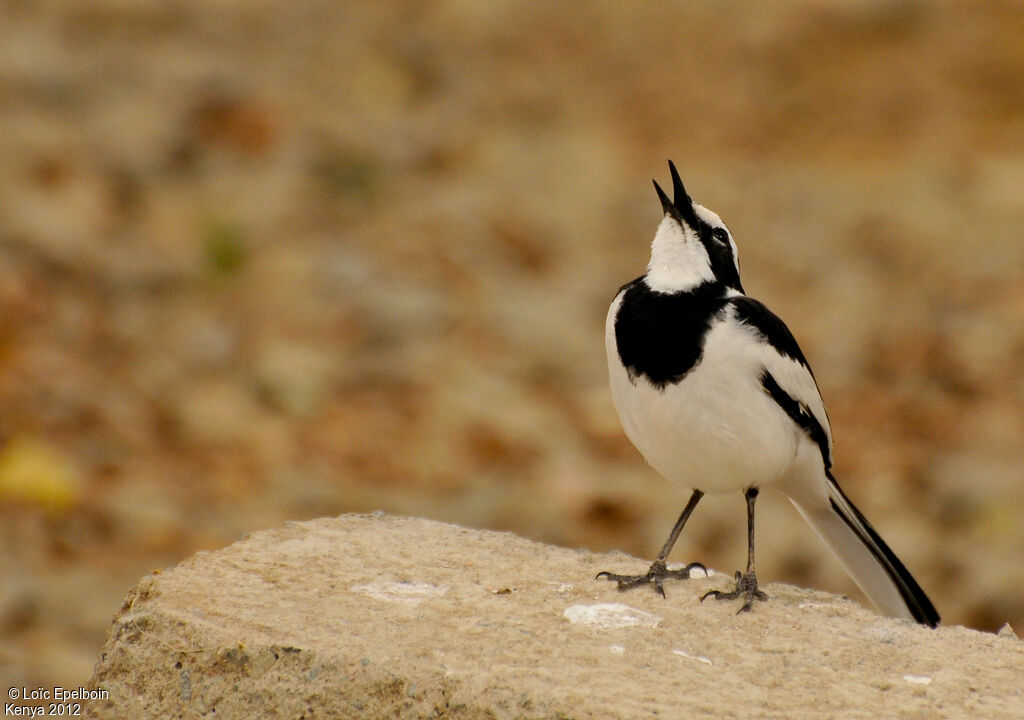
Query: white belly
[[717, 430]]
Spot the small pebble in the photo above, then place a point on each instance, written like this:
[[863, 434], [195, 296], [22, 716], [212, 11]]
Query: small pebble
[[917, 679]]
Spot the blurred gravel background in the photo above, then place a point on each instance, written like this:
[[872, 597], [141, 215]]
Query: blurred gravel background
[[264, 261]]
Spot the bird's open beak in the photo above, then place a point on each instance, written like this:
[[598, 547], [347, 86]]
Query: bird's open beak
[[680, 207]]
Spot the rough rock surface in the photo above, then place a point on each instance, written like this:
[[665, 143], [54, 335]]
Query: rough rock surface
[[369, 616]]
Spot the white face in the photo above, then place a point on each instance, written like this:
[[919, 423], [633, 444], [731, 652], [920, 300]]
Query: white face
[[680, 259]]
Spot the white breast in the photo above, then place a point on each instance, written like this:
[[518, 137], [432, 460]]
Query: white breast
[[716, 430]]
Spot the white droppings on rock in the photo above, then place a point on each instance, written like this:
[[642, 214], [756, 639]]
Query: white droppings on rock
[[407, 593], [917, 679], [617, 650], [560, 587], [688, 656], [610, 615]]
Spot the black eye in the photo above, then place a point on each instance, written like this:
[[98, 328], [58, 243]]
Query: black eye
[[721, 234]]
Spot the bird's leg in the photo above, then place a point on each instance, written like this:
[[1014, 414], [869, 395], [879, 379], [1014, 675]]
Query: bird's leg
[[659, 570], [746, 583]]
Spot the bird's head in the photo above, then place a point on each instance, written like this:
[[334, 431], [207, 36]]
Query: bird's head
[[692, 245]]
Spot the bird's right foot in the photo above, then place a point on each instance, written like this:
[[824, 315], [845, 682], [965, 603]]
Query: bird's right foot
[[658, 573], [746, 588]]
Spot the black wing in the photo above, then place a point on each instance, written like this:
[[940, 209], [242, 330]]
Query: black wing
[[801, 396]]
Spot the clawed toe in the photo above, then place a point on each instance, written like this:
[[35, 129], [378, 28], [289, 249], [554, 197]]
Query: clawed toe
[[655, 576], [746, 588]]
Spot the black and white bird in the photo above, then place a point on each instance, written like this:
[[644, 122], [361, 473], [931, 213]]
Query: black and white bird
[[713, 390]]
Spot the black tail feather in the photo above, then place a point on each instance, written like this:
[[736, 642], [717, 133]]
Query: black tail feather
[[917, 601]]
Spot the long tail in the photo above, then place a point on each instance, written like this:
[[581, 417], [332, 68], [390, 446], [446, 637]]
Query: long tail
[[866, 557]]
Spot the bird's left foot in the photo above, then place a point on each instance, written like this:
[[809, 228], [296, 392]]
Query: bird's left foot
[[746, 588]]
